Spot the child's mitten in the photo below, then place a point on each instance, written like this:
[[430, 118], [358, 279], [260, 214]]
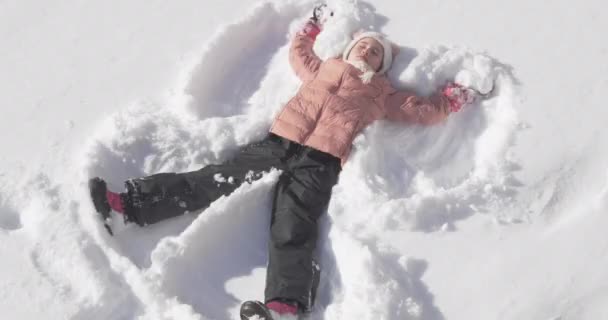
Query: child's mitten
[[311, 29], [458, 95]]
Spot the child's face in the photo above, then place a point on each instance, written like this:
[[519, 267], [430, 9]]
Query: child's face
[[368, 50]]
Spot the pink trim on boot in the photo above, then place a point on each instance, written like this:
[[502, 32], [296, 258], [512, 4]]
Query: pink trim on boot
[[115, 201], [282, 308]]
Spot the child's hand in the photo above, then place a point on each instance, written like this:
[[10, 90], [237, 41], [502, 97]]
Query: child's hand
[[311, 29], [458, 95], [313, 26]]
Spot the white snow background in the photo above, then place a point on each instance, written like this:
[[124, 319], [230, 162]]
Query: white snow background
[[499, 213]]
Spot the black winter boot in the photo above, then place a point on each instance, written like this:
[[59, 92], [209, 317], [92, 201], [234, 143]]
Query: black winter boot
[[251, 309], [97, 188]]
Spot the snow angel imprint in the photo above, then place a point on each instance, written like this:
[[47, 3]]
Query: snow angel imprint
[[309, 140]]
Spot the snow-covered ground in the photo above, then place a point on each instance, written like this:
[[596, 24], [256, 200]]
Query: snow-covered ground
[[499, 213]]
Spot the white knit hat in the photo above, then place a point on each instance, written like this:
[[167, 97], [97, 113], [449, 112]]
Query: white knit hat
[[386, 44]]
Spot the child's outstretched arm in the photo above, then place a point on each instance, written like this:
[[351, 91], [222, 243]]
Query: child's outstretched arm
[[303, 60], [408, 107]]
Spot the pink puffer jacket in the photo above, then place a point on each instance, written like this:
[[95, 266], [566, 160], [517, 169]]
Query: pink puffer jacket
[[333, 105]]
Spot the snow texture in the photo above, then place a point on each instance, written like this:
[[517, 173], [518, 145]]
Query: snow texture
[[465, 219]]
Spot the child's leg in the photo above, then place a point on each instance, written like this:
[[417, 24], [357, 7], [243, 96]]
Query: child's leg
[[115, 201], [301, 197], [165, 195]]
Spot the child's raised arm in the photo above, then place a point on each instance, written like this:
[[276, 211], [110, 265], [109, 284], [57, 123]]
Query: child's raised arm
[[303, 60]]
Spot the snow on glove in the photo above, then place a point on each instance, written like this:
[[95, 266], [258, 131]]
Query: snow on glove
[[321, 14], [458, 95], [313, 26]]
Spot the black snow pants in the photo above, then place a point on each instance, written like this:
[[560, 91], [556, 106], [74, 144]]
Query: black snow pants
[[301, 196]]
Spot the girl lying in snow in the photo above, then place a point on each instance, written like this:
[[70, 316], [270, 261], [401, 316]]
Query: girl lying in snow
[[310, 140]]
